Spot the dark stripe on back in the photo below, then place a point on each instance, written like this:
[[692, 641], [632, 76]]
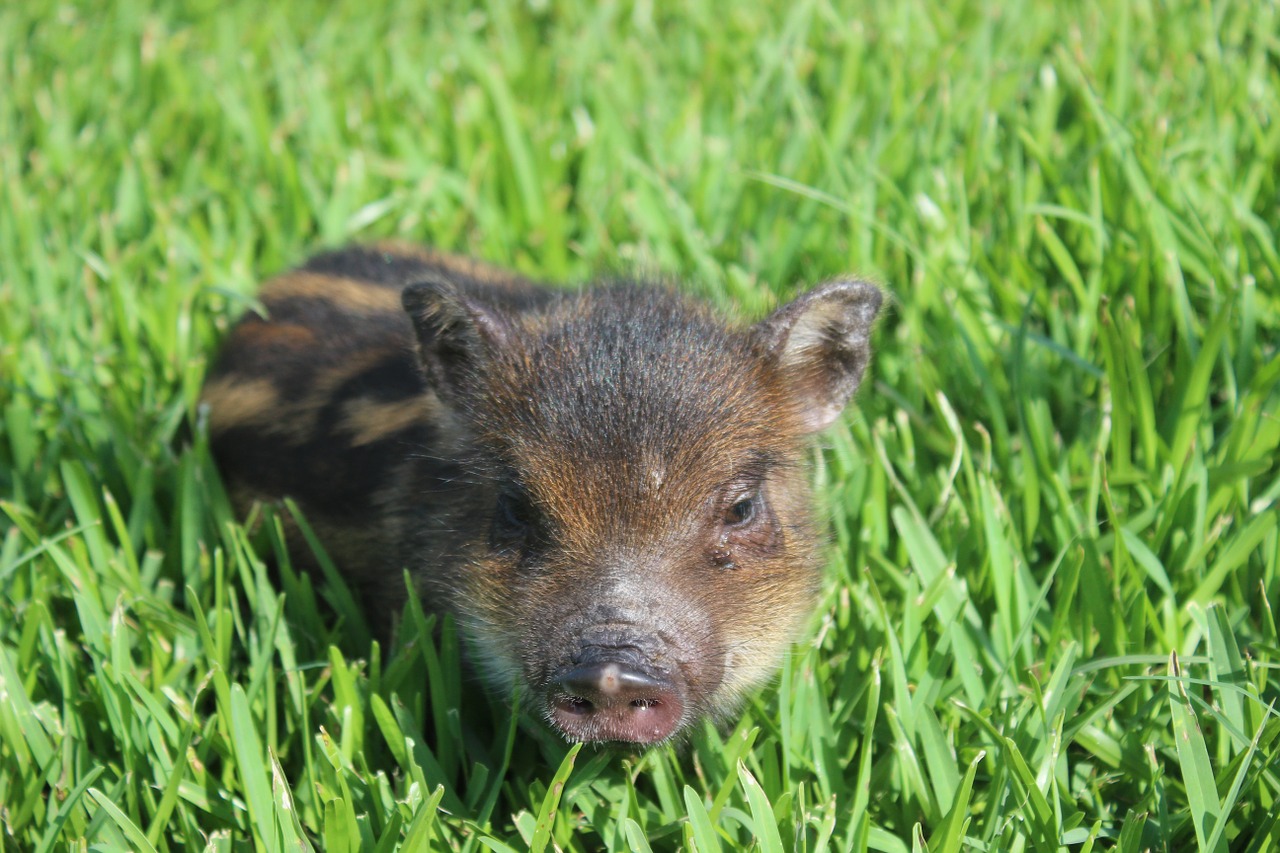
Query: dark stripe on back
[[335, 323], [326, 472], [372, 265], [390, 380], [266, 348]]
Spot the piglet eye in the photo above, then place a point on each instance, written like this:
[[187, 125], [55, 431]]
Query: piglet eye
[[742, 511], [514, 515]]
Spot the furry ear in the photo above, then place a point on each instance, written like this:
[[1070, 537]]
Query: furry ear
[[458, 336], [821, 342]]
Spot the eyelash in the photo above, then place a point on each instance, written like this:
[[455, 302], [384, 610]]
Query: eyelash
[[742, 511]]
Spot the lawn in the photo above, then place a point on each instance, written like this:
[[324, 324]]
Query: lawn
[[1048, 620]]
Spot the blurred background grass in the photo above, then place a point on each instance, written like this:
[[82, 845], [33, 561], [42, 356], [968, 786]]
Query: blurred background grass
[[1049, 614]]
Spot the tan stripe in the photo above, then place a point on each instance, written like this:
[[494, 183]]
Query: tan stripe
[[345, 294], [234, 401], [369, 422], [274, 335]]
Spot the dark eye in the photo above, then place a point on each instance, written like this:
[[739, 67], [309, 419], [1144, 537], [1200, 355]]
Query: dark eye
[[514, 515], [742, 511]]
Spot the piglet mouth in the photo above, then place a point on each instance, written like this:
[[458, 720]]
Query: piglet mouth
[[615, 700]]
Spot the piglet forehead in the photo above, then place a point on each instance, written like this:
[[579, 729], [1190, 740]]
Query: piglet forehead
[[669, 380]]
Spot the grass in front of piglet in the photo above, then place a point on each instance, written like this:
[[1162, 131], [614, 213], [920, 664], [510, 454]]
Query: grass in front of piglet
[[1049, 617]]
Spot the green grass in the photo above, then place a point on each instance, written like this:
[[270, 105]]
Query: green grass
[[1049, 618]]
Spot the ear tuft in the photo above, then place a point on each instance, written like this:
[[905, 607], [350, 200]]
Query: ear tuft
[[821, 342], [458, 336]]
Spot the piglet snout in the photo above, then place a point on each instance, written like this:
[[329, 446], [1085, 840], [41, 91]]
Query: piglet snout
[[613, 697]]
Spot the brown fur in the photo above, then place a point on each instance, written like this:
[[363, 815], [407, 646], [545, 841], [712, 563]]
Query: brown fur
[[610, 481]]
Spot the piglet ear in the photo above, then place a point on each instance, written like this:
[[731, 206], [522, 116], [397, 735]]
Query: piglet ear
[[821, 343], [458, 335]]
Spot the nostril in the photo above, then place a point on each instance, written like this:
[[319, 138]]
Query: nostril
[[575, 705], [610, 700]]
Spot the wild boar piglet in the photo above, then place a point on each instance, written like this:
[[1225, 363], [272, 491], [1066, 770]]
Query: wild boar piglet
[[607, 488]]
